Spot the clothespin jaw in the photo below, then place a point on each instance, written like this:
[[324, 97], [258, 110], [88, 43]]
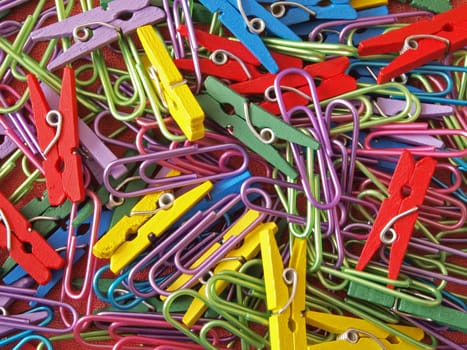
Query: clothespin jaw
[[58, 136], [181, 103], [407, 190], [419, 43], [27, 247]]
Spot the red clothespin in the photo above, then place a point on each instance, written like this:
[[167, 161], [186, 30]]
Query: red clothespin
[[419, 43], [231, 69], [407, 191], [333, 82], [58, 136], [26, 246]]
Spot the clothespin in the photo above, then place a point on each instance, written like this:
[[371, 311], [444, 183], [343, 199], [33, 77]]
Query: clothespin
[[433, 6], [285, 293], [233, 261], [97, 28], [245, 118], [59, 140], [407, 190], [333, 82], [419, 43], [31, 317], [133, 234], [355, 333], [243, 69], [26, 246], [390, 106], [363, 4], [236, 19], [175, 92]]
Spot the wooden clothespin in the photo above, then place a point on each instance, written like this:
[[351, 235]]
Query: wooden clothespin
[[419, 43], [407, 190], [133, 234], [26, 246], [175, 92], [285, 293], [355, 333], [57, 131]]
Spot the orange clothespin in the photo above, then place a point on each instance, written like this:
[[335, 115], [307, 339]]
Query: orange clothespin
[[333, 82], [26, 246], [419, 43], [407, 191], [57, 131]]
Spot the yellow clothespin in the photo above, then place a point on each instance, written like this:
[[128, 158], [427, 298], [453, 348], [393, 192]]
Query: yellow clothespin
[[125, 251], [364, 4], [180, 101], [233, 262], [285, 293], [359, 333], [236, 229]]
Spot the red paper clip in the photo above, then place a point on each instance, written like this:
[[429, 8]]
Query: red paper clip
[[407, 191], [27, 247], [333, 82], [419, 43], [58, 136]]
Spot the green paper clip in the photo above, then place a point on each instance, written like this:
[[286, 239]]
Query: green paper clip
[[248, 116]]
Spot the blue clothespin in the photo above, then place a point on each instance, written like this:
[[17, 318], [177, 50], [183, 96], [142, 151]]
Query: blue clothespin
[[58, 240], [234, 17]]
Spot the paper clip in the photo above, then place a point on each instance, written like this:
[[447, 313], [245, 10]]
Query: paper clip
[[234, 15], [59, 140], [97, 28], [400, 210], [245, 118], [419, 43], [25, 245], [174, 90]]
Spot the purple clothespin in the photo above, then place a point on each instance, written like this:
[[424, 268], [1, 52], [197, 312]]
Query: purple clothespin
[[391, 106], [121, 17]]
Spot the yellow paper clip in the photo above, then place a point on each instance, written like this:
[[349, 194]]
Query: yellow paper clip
[[234, 260], [285, 293], [168, 80], [236, 229], [122, 249], [364, 4], [355, 333]]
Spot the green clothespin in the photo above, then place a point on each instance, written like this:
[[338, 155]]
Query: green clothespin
[[454, 319], [105, 3], [235, 113], [436, 6]]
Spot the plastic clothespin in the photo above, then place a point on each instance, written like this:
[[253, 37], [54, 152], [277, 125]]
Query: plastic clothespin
[[355, 333], [391, 106], [59, 140], [407, 190], [97, 28], [245, 118], [119, 245], [364, 4], [175, 92], [437, 6], [333, 82], [233, 262], [234, 19], [309, 10], [26, 246], [29, 317], [419, 43], [285, 293], [232, 69]]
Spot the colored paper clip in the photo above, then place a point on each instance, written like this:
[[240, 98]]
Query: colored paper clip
[[294, 12], [400, 210], [285, 293], [355, 333], [174, 90], [419, 43], [230, 59], [116, 245], [333, 82], [25, 245], [245, 118], [97, 28], [59, 140], [235, 16]]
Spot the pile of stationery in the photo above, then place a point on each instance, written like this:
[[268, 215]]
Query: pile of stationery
[[235, 174]]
